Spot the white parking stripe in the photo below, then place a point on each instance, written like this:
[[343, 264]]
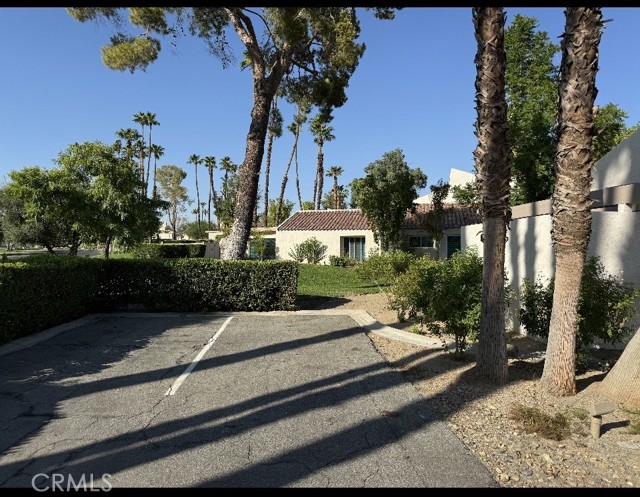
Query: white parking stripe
[[183, 376]]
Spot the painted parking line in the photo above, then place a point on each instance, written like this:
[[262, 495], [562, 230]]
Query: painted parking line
[[183, 376]]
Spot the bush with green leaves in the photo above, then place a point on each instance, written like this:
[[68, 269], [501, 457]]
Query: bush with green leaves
[[168, 250], [311, 250], [383, 268], [342, 261], [605, 305], [445, 295], [44, 291]]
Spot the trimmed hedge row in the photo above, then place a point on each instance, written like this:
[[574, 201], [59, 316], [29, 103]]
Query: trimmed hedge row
[[169, 250], [40, 292]]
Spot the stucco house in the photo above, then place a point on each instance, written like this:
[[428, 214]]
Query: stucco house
[[347, 232]]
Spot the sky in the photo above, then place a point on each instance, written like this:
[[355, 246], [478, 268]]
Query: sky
[[413, 90]]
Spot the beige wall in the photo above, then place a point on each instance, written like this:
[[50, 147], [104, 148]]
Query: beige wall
[[620, 166], [529, 254], [285, 240]]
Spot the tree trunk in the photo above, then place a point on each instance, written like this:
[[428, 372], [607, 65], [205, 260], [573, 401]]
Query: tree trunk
[[107, 245], [622, 383], [236, 244], [318, 168], [283, 186], [571, 217], [197, 198], [146, 180], [297, 173], [493, 173], [320, 175], [267, 172]]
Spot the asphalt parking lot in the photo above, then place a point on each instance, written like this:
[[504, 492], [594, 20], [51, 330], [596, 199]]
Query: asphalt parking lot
[[219, 400]]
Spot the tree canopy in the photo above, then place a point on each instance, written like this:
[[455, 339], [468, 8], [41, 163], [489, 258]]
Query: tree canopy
[[386, 194]]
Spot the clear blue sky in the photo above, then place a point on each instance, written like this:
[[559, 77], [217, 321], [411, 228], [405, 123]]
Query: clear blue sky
[[413, 90]]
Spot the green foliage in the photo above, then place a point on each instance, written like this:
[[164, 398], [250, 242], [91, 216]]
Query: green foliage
[[386, 193], [285, 210], [197, 232], [172, 190], [468, 195], [311, 250], [605, 306], [225, 203], [43, 291], [168, 250], [445, 295], [611, 129], [342, 261], [433, 222], [382, 269]]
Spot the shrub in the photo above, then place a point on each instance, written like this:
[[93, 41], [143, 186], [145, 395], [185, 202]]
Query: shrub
[[605, 306], [445, 295], [168, 250], [342, 261], [312, 250], [382, 269]]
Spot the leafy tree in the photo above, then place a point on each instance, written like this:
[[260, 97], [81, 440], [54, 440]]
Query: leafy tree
[[39, 207], [532, 95], [611, 129], [322, 133], [385, 195], [493, 174], [115, 210], [307, 205], [571, 215], [433, 222], [286, 208], [329, 201], [195, 232], [227, 202], [304, 50], [170, 178]]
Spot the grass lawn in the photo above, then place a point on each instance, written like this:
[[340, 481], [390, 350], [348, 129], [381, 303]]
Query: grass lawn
[[331, 281]]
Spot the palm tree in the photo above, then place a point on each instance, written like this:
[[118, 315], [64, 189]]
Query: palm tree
[[151, 121], [130, 137], [141, 119], [322, 132], [157, 151], [493, 172], [294, 127], [210, 164], [571, 211], [196, 160], [275, 131], [334, 172]]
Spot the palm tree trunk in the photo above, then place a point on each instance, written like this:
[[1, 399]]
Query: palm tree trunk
[[335, 192], [146, 181], [155, 169], [571, 218], [285, 178], [197, 198], [267, 172], [210, 200], [621, 383], [493, 173], [319, 167], [320, 175], [297, 174]]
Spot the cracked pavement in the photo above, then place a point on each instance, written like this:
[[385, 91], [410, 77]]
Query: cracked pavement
[[277, 401]]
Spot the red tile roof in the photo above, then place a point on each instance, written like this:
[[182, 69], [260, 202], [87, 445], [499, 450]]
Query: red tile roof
[[352, 219], [455, 216], [326, 220]]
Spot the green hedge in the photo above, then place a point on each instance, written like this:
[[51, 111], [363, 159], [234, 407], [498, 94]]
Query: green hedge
[[44, 291], [169, 250], [38, 293]]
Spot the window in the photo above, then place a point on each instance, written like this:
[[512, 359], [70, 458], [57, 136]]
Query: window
[[453, 245], [420, 242], [353, 247]]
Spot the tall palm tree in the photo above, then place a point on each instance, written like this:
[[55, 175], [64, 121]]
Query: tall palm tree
[[196, 161], [571, 202], [151, 121], [275, 131], [210, 164], [157, 151], [334, 172], [322, 132], [141, 119], [493, 172]]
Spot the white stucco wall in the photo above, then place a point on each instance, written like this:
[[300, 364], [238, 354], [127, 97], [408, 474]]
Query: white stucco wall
[[617, 167], [285, 240], [529, 254]]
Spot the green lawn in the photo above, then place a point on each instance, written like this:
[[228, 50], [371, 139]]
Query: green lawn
[[330, 281]]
